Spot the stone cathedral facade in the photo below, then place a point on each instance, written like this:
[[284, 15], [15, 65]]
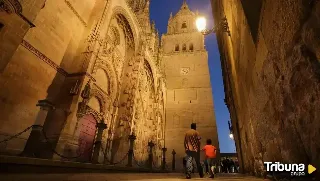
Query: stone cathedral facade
[[98, 73]]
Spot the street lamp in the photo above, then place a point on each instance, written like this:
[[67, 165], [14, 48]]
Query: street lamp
[[201, 23], [231, 131], [231, 136]]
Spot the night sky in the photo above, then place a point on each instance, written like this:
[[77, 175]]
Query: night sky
[[160, 12]]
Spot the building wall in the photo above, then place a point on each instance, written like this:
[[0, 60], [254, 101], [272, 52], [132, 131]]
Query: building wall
[[189, 93], [75, 45], [31, 71], [271, 72]]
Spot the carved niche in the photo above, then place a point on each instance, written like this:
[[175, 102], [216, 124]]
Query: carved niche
[[10, 6]]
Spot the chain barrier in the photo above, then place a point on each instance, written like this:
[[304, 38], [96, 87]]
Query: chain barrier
[[80, 154], [136, 161], [54, 151], [155, 166], [109, 161], [16, 135], [46, 138]]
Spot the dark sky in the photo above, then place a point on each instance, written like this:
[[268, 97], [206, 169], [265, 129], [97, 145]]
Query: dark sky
[[160, 12]]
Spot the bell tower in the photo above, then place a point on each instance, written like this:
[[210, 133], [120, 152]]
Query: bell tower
[[189, 92]]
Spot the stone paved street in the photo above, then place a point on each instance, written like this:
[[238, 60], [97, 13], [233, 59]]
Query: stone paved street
[[116, 177]]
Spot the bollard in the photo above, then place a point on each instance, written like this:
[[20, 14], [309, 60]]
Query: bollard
[[164, 150], [173, 160], [132, 137], [34, 144], [150, 160], [98, 143]]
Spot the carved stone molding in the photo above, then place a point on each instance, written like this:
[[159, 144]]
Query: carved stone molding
[[10, 6], [109, 69], [127, 24], [51, 63], [76, 13], [85, 110], [137, 5], [102, 99], [43, 57]]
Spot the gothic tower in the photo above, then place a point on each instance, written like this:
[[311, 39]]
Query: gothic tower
[[189, 93]]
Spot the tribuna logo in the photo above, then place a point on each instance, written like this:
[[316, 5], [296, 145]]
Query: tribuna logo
[[294, 169]]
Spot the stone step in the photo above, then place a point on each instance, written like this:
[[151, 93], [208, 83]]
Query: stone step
[[14, 164]]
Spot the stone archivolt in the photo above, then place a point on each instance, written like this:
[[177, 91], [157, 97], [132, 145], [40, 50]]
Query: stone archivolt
[[10, 6]]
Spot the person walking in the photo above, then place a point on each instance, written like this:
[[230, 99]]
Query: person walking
[[236, 164], [210, 152], [192, 146]]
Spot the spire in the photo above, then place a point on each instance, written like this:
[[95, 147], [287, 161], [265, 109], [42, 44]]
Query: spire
[[171, 15], [185, 5], [147, 7]]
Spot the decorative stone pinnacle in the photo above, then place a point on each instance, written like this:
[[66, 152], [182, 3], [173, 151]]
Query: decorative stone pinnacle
[[85, 94], [132, 137], [46, 104]]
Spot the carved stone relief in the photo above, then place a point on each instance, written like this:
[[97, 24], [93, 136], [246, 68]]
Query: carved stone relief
[[148, 124], [137, 5], [10, 6]]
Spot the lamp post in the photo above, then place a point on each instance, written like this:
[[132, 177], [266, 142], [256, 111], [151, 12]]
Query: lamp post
[[231, 131], [201, 23]]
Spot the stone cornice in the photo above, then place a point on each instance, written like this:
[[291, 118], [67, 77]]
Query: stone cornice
[[51, 63]]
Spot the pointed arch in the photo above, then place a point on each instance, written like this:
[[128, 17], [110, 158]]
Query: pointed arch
[[127, 23], [111, 74]]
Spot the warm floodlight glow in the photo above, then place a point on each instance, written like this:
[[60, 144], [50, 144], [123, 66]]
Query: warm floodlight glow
[[231, 136], [201, 23]]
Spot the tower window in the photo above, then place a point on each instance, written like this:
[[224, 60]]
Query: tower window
[[1, 26], [177, 48], [184, 47], [191, 47], [184, 25]]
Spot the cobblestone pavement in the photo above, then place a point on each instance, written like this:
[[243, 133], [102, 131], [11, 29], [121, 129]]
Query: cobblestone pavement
[[115, 177]]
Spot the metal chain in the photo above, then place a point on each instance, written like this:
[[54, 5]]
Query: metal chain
[[16, 135], [136, 161], [116, 163], [54, 151], [109, 161], [155, 166]]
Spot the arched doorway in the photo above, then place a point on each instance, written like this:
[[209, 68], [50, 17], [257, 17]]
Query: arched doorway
[[86, 137]]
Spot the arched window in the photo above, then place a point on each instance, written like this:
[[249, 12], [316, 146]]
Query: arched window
[[184, 47], [177, 48], [1, 26], [184, 25], [191, 47]]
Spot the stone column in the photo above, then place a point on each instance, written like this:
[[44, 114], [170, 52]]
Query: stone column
[[132, 137], [34, 143], [98, 144], [150, 160], [164, 150], [174, 160]]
